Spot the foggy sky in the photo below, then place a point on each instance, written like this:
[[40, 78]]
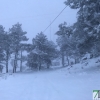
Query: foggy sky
[[35, 15]]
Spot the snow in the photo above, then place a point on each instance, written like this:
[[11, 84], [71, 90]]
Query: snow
[[70, 83]]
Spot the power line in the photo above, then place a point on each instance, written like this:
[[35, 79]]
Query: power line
[[55, 19]]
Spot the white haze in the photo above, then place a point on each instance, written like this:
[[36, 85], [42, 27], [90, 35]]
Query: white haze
[[35, 15]]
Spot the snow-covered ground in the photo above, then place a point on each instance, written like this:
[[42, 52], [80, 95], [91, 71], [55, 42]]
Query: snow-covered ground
[[76, 83]]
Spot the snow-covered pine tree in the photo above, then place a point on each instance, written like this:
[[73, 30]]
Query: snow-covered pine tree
[[89, 21], [2, 55], [17, 37], [64, 41], [7, 48], [43, 52]]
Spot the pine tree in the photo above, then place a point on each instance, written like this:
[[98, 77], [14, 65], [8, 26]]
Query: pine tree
[[89, 21], [64, 41], [17, 37], [24, 47], [43, 52], [2, 55], [7, 48]]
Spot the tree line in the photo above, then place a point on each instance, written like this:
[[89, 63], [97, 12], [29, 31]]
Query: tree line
[[84, 35], [73, 41], [41, 51]]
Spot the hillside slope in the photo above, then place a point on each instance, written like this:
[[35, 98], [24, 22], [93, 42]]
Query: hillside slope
[[62, 84]]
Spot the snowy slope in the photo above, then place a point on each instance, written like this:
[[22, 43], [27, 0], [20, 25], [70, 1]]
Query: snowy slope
[[62, 84]]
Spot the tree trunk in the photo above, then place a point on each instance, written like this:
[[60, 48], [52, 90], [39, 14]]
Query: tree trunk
[[21, 62], [1, 68], [14, 67], [7, 57], [6, 66], [48, 66], [68, 60], [75, 60], [39, 67], [15, 62], [63, 59]]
